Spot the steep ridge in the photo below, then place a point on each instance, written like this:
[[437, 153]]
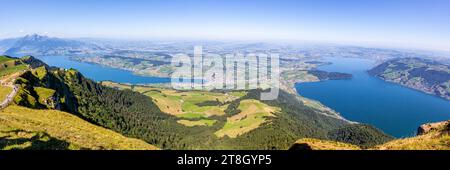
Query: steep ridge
[[24, 128]]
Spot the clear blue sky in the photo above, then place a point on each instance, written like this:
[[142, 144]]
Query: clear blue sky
[[419, 23]]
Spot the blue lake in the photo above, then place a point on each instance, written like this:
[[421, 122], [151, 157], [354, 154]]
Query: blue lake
[[101, 73], [395, 109]]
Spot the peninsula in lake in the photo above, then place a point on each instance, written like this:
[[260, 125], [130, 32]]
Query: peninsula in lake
[[425, 75]]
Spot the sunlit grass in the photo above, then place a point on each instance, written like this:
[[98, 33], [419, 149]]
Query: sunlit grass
[[63, 128], [4, 91], [253, 114]]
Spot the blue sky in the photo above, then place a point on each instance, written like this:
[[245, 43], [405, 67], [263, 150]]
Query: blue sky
[[414, 23]]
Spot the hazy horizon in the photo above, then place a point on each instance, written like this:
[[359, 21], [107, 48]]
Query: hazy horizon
[[417, 24]]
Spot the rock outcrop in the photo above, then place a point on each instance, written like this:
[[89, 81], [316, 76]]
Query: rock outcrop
[[442, 127]]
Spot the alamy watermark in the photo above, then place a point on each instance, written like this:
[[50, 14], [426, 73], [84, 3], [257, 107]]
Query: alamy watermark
[[228, 72]]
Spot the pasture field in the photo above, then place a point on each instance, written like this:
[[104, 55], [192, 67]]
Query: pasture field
[[253, 114], [206, 108]]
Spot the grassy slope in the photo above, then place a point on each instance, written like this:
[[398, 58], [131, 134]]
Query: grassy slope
[[438, 139], [424, 142], [10, 65], [4, 91], [317, 144], [4, 59], [13, 69], [24, 128], [253, 114]]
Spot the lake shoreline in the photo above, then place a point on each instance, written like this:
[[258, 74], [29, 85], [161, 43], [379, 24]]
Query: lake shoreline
[[395, 109]]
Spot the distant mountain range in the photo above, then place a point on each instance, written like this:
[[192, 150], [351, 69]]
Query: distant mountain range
[[43, 45]]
